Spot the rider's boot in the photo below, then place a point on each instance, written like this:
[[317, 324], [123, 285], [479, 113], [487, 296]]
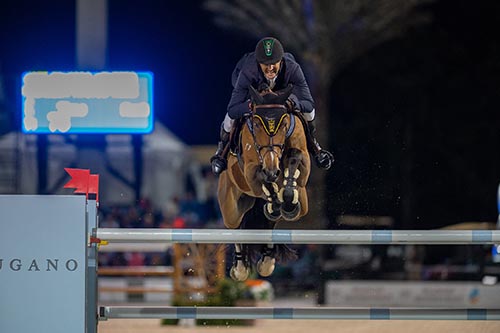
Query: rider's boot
[[219, 161], [324, 159]]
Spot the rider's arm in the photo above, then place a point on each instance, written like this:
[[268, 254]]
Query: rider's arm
[[238, 105], [301, 91]]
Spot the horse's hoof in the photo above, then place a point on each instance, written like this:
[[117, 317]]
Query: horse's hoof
[[239, 275], [271, 214], [265, 266], [291, 215]]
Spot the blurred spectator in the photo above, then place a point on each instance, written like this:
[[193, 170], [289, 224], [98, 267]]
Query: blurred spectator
[[171, 209], [211, 211], [191, 211], [148, 221], [118, 259], [109, 221], [132, 219], [135, 258], [179, 223]]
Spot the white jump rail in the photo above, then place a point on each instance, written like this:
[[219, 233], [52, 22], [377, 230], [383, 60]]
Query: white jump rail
[[228, 236], [225, 236], [212, 312]]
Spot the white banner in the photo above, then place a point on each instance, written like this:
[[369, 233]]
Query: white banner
[[411, 294], [42, 263]]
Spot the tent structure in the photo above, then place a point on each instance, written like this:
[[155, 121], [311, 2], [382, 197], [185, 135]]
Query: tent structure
[[165, 162]]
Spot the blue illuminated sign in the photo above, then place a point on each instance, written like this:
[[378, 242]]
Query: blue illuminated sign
[[87, 102]]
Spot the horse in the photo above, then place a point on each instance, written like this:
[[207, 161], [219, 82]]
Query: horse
[[265, 181]]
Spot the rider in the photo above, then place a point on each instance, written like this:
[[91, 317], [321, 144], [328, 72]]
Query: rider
[[268, 65]]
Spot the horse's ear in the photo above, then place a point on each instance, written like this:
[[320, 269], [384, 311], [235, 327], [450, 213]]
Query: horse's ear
[[287, 91], [255, 96]]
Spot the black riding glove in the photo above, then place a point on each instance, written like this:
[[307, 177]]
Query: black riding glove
[[293, 103], [324, 159]]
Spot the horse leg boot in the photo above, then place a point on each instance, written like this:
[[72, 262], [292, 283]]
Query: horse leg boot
[[266, 264], [241, 268], [272, 207], [289, 195]]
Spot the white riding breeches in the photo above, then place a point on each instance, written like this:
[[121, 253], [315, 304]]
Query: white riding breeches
[[228, 123]]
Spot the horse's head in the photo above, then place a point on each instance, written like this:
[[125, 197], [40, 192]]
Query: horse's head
[[269, 125]]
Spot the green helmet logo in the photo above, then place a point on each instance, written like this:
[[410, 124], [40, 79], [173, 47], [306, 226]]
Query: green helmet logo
[[268, 47], [268, 51]]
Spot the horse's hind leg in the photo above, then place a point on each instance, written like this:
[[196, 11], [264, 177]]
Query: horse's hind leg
[[256, 219], [241, 266], [232, 202], [266, 264], [289, 194]]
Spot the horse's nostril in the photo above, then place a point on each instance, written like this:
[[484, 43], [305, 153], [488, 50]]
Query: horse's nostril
[[271, 176]]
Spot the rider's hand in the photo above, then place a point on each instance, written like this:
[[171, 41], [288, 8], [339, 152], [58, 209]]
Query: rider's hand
[[293, 103], [324, 159], [263, 86]]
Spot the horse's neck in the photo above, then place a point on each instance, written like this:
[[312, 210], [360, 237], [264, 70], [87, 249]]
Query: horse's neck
[[248, 153]]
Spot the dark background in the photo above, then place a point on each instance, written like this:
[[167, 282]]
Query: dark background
[[420, 115], [416, 115], [190, 57]]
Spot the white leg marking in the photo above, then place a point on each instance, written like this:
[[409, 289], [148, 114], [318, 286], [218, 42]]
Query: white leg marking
[[295, 196], [266, 191]]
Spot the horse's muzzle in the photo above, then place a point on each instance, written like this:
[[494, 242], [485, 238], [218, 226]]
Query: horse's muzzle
[[270, 176]]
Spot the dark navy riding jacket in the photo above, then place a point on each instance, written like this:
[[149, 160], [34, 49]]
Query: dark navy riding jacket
[[247, 72]]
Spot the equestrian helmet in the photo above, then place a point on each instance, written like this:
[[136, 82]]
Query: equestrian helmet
[[269, 51]]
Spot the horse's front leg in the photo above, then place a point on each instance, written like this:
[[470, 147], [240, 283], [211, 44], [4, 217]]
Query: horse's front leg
[[272, 208], [289, 193]]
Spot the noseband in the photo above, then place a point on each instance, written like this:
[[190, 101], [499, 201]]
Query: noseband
[[271, 131]]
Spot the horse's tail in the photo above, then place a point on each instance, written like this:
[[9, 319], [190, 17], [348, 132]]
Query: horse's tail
[[284, 253], [281, 252]]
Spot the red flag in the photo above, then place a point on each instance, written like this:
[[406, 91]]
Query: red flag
[[83, 182], [94, 185], [79, 180]]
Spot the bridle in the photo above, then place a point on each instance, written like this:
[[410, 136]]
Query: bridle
[[270, 147]]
